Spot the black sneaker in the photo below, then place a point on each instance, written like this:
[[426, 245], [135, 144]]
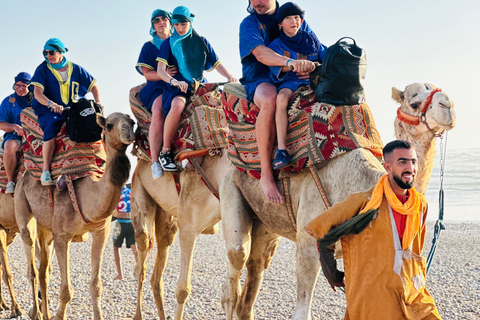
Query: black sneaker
[[166, 159]]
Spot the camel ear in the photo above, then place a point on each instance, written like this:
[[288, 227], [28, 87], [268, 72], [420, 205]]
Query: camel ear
[[397, 95], [101, 120]]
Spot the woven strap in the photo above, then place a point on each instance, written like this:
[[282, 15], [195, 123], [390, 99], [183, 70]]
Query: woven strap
[[288, 201], [316, 178], [204, 177], [73, 198]]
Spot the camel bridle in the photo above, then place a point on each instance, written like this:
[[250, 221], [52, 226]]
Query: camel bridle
[[416, 120]]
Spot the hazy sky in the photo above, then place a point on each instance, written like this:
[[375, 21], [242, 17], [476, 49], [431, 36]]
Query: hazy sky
[[406, 41]]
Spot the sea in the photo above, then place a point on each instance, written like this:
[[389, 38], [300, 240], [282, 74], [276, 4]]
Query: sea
[[461, 185]]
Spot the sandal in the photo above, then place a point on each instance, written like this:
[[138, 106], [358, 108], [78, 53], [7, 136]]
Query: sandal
[[282, 158]]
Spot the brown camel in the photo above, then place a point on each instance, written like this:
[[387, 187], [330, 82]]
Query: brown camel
[[252, 226], [61, 224], [157, 209], [8, 232]]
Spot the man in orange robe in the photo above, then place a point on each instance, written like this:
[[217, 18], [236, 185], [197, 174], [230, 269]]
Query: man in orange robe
[[384, 270]]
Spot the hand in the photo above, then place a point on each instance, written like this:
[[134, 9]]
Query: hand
[[301, 65], [181, 84], [232, 79], [18, 129], [171, 71], [56, 107]]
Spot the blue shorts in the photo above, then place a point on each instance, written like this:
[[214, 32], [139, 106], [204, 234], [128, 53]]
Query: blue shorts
[[51, 123], [292, 85], [150, 92], [11, 136], [169, 94], [250, 87]]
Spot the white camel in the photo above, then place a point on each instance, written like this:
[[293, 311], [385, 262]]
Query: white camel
[[252, 226]]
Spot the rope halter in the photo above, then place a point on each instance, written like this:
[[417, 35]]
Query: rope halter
[[416, 120]]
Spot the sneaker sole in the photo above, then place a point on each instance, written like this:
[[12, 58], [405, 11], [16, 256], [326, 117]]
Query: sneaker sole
[[48, 183]]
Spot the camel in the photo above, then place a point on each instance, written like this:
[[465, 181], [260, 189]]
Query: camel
[[252, 226], [8, 233], [59, 223], [157, 209]]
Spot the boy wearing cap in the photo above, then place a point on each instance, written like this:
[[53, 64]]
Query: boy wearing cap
[[295, 44], [191, 54], [10, 110]]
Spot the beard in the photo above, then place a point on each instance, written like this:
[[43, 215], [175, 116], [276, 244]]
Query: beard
[[401, 184]]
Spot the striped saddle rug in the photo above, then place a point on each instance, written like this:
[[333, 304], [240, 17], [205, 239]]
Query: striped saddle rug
[[316, 132], [202, 126], [19, 170], [76, 159]]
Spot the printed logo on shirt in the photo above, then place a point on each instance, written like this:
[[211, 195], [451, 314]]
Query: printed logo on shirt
[[75, 88], [87, 112]]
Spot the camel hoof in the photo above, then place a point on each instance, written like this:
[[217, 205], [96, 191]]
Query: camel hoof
[[3, 306], [35, 314], [16, 312]]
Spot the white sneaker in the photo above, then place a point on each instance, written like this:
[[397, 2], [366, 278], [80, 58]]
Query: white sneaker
[[46, 179], [157, 171], [10, 187]]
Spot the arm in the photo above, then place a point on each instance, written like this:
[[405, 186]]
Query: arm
[[270, 58], [10, 127], [152, 75], [162, 74], [224, 72], [42, 99], [96, 94]]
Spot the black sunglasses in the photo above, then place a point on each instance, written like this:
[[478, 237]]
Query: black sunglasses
[[50, 52], [157, 20]]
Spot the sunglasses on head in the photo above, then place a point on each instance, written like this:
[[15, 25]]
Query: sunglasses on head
[[50, 52]]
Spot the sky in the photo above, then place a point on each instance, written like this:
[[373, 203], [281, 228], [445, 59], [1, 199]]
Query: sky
[[406, 41]]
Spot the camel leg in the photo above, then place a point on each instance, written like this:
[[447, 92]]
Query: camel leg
[[45, 239], [5, 239], [62, 249], [143, 211], [99, 240], [264, 245], [237, 226], [28, 231], [165, 231]]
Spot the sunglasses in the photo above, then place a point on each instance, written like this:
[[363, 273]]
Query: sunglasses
[[157, 20], [50, 52]]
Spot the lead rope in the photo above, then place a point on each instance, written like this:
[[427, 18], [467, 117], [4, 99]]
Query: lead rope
[[439, 226]]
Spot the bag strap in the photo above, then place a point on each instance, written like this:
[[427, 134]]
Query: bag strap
[[339, 40]]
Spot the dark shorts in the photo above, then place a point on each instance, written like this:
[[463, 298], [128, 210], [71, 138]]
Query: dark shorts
[[151, 91], [123, 231], [250, 87], [11, 136]]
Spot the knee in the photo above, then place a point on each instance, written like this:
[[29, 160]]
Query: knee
[[237, 257], [11, 147], [182, 295], [66, 294]]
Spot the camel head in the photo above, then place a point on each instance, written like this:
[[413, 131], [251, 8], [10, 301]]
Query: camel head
[[425, 106], [117, 130]]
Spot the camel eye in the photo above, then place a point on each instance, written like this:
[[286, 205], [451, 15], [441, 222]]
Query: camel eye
[[414, 106], [109, 127]]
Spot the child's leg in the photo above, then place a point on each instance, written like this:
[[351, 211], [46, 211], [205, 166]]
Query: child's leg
[[281, 118], [48, 147], [155, 132], [172, 120]]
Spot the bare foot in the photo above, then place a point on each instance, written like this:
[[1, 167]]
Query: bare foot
[[270, 190], [119, 277]]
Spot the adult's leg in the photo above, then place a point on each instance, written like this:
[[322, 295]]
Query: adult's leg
[[281, 117], [48, 148], [265, 98], [10, 157], [171, 121], [118, 263], [155, 132]]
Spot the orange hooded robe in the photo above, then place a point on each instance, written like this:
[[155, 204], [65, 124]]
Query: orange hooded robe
[[382, 281]]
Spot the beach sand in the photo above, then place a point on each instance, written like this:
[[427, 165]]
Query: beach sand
[[454, 281]]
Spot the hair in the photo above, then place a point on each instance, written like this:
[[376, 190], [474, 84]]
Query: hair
[[396, 144]]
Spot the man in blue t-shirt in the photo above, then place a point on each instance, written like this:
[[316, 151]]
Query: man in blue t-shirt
[[257, 31], [10, 110]]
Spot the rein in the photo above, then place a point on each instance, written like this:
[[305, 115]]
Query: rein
[[439, 226], [416, 120]]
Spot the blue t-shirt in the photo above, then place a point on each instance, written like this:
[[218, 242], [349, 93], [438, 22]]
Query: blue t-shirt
[[79, 83], [166, 56], [10, 110], [252, 35]]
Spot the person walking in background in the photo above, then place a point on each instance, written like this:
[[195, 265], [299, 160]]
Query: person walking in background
[[151, 93], [10, 110], [385, 274], [58, 83], [123, 230]]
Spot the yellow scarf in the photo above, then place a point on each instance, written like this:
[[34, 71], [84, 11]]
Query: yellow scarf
[[411, 208]]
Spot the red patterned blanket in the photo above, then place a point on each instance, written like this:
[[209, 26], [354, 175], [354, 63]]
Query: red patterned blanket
[[317, 131], [202, 125], [77, 159]]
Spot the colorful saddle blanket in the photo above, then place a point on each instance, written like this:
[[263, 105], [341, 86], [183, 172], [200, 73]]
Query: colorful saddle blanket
[[19, 170], [76, 159], [202, 126], [316, 132]]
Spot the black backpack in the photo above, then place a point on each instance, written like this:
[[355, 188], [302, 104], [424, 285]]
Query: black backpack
[[339, 79], [82, 121]]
